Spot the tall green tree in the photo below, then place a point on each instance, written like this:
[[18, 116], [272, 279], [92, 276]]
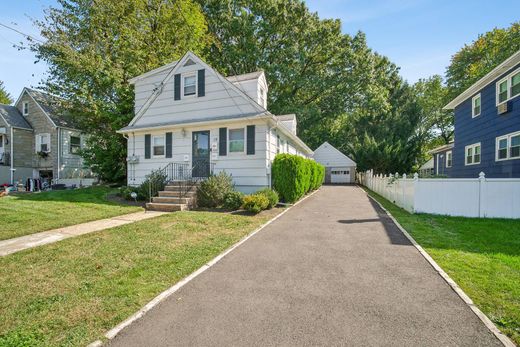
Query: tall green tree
[[5, 97], [341, 90], [94, 47], [475, 60]]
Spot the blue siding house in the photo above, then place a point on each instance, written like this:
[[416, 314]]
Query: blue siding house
[[487, 127]]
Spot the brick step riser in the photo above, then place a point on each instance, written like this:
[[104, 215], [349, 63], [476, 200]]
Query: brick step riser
[[165, 207], [171, 200], [171, 194]]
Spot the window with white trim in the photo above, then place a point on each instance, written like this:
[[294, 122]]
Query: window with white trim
[[449, 159], [476, 105], [473, 154], [75, 144], [508, 146], [189, 84], [508, 87], [43, 143], [236, 140], [25, 108], [158, 146]]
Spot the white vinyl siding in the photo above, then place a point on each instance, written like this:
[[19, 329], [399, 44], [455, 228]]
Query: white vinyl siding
[[508, 87], [472, 154], [508, 147]]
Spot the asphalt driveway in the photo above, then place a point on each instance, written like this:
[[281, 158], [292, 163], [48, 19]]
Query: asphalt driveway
[[333, 270]]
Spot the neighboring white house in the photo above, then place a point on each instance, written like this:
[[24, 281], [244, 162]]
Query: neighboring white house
[[339, 168], [188, 114]]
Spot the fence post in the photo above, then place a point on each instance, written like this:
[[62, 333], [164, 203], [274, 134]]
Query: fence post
[[403, 197], [481, 187], [415, 185]]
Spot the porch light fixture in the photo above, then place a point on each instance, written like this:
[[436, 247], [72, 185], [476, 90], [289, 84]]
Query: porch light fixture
[[183, 132]]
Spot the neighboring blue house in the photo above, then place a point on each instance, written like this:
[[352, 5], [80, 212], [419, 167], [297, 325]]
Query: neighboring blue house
[[487, 127]]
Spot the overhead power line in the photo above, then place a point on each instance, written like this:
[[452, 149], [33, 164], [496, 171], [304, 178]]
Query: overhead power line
[[21, 33]]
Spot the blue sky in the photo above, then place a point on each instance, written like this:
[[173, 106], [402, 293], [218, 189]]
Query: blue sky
[[418, 35]]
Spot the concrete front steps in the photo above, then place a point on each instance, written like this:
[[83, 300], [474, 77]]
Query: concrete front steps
[[172, 199]]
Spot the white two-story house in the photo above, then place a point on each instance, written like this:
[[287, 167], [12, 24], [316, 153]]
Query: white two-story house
[[188, 114]]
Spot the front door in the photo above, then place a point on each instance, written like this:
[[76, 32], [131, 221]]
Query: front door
[[1, 148], [200, 154]]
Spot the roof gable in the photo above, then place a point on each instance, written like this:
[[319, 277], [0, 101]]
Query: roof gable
[[329, 155], [233, 91]]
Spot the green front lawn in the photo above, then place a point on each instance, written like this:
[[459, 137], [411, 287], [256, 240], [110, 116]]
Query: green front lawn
[[481, 255], [30, 213], [72, 292]]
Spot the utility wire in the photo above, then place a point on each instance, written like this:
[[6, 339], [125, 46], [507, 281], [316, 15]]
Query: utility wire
[[21, 33]]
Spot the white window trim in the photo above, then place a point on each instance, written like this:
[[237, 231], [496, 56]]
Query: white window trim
[[153, 145], [38, 146], [473, 154], [473, 115], [25, 108], [508, 137], [451, 153], [508, 78], [189, 74], [229, 141], [70, 144]]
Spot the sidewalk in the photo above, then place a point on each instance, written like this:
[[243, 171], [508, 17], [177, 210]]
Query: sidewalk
[[34, 240]]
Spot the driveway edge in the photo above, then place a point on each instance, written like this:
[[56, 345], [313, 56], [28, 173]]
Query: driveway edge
[[168, 292], [487, 322]]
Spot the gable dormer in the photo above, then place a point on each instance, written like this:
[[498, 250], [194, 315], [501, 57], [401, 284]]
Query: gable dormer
[[254, 85]]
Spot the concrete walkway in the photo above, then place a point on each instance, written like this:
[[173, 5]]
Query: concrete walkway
[[29, 241], [333, 271]]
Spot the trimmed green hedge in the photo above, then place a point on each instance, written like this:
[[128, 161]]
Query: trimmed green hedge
[[295, 176]]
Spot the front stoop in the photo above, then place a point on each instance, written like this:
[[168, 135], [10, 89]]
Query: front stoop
[[170, 199]]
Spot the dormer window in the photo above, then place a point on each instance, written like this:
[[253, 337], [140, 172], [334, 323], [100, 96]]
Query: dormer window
[[25, 107], [190, 84], [476, 106]]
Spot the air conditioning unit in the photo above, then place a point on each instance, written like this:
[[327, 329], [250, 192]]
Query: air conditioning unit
[[502, 108]]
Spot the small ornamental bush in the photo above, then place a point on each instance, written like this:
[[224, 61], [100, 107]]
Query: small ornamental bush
[[256, 202], [233, 200], [125, 193], [271, 195], [294, 176], [212, 191], [153, 183]]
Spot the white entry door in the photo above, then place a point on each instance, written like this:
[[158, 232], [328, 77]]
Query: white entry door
[[339, 175]]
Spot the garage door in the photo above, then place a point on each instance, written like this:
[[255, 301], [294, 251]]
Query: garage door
[[340, 175]]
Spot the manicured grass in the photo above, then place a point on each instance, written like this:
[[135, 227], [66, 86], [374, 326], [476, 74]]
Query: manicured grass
[[30, 213], [481, 255], [72, 292]]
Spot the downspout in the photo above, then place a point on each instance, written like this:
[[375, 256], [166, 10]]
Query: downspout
[[127, 161], [12, 156], [269, 155], [59, 152]]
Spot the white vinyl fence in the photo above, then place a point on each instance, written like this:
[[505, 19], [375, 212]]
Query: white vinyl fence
[[467, 197]]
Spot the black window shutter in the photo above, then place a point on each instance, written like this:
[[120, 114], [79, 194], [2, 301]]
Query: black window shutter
[[147, 146], [201, 88], [168, 145], [177, 86], [250, 139], [222, 146]]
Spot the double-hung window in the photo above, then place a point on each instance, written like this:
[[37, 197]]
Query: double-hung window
[[25, 107], [476, 105], [449, 159], [43, 143], [236, 140], [508, 146], [75, 144], [473, 154], [190, 84], [158, 146], [508, 87]]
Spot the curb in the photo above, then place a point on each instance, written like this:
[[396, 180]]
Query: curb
[[168, 292], [454, 286]]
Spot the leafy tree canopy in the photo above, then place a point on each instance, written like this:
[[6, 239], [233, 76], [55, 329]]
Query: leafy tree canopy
[[94, 47], [5, 97]]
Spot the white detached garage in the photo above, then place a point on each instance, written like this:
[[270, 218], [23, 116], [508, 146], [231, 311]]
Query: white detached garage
[[339, 168]]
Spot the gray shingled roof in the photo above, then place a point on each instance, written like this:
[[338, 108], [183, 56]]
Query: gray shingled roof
[[51, 105], [13, 117]]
